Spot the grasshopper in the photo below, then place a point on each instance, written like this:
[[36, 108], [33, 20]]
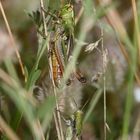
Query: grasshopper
[[61, 28], [63, 32], [74, 124]]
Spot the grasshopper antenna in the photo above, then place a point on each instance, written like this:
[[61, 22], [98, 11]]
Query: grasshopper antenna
[[84, 105], [75, 102]]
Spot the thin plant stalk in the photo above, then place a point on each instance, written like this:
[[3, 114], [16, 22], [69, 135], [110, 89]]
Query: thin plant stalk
[[129, 101], [92, 105], [128, 107], [104, 82], [40, 128], [136, 24], [12, 41]]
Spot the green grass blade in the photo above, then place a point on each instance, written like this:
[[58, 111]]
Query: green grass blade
[[92, 105]]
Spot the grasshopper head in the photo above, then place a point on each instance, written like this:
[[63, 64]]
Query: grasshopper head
[[67, 9], [67, 16], [79, 113]]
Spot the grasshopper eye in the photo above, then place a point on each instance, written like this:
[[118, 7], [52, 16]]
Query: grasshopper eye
[[70, 8]]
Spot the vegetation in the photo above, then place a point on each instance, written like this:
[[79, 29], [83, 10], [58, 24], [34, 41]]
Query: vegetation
[[69, 70]]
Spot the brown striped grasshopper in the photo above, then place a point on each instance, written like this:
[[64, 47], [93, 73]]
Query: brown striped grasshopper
[[62, 44], [60, 26]]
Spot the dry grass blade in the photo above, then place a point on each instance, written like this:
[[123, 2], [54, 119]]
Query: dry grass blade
[[90, 47], [108, 128], [12, 40], [43, 15], [57, 126], [40, 128], [116, 22], [115, 19], [7, 130]]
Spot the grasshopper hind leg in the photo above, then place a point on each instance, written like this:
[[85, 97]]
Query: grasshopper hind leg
[[80, 76]]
